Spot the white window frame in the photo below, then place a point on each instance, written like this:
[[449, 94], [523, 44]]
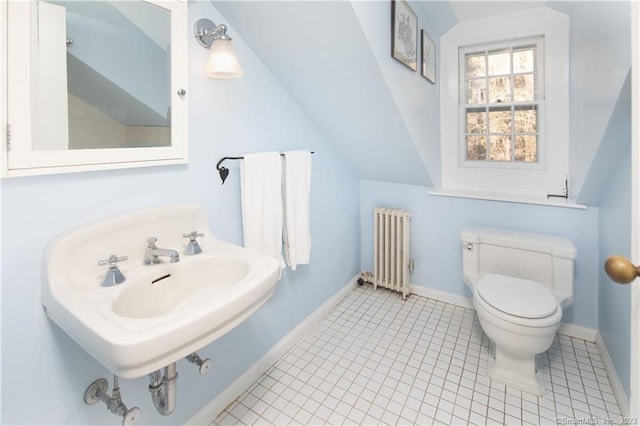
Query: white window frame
[[505, 178], [539, 102]]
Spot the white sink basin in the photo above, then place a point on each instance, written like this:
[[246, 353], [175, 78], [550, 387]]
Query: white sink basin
[[176, 287], [162, 312]]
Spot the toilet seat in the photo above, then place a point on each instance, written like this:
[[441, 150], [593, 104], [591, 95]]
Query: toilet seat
[[518, 301], [516, 296]]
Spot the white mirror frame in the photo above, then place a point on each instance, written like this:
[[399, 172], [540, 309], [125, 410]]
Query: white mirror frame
[[19, 159]]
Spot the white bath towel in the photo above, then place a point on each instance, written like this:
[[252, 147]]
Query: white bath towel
[[261, 186], [297, 191]]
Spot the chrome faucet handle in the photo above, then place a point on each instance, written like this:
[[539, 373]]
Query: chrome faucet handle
[[193, 247], [112, 261], [113, 275], [151, 241], [193, 235]]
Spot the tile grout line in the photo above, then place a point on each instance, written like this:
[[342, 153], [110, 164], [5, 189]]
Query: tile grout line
[[374, 331]]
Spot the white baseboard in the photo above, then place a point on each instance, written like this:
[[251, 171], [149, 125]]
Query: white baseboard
[[618, 390], [571, 330], [442, 296], [207, 414]]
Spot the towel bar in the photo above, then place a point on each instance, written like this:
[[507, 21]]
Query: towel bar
[[224, 172]]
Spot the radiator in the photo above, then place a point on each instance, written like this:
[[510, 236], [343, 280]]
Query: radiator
[[391, 260]]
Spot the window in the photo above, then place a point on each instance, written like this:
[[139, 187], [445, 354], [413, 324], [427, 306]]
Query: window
[[504, 104], [500, 96]]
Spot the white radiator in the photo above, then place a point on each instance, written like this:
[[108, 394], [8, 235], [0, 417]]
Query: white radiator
[[391, 260]]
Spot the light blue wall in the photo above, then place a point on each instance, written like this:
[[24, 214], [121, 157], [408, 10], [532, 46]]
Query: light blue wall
[[435, 237], [614, 306], [44, 373], [600, 44], [600, 140], [613, 149]]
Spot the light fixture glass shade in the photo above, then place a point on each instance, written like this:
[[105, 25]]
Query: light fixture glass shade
[[223, 62]]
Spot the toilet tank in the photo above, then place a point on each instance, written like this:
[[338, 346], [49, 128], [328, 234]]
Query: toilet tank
[[547, 259]]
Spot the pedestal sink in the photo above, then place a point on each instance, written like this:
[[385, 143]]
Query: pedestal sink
[[161, 312]]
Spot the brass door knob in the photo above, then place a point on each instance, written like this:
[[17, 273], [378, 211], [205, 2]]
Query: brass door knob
[[621, 270]]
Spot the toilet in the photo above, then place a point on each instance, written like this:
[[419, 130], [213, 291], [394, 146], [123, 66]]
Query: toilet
[[521, 282]]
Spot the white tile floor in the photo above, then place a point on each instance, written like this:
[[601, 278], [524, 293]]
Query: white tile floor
[[375, 359]]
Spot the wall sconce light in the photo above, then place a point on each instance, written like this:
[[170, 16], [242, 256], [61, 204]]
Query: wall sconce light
[[222, 62]]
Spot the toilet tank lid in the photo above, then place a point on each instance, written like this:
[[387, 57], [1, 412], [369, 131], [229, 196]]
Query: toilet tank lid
[[554, 245]]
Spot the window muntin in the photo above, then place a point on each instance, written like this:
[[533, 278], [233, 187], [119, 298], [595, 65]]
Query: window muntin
[[501, 95]]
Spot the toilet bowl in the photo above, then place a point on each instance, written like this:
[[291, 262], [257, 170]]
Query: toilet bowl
[[521, 283], [519, 327]]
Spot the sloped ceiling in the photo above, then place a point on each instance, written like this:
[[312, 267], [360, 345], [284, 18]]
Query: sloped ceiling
[[320, 54], [333, 58], [613, 150], [600, 63]]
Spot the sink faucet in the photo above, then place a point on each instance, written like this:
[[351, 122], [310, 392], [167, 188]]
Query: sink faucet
[[113, 276], [152, 253]]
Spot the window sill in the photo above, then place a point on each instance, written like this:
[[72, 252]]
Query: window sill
[[508, 198]]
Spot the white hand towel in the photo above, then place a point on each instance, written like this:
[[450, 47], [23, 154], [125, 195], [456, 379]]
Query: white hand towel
[[261, 186], [297, 189]]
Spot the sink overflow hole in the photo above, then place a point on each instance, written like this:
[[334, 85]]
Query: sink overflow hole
[[160, 279]]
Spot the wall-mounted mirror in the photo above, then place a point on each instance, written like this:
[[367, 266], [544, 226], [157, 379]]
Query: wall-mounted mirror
[[95, 85]]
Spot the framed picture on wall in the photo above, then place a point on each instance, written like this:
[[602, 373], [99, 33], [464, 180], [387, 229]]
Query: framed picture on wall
[[404, 34], [428, 58]]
